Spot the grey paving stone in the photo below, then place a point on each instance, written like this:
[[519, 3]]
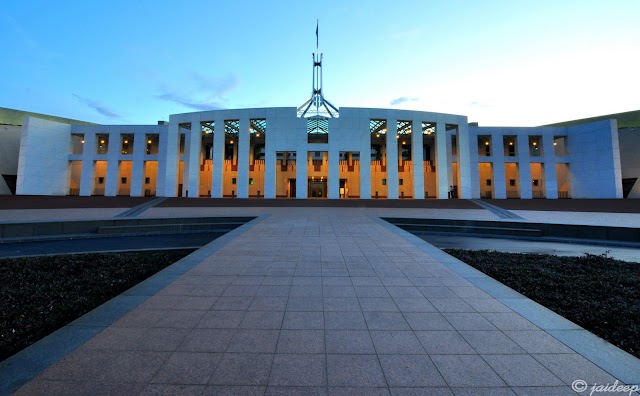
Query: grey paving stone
[[521, 370], [468, 321], [221, 319], [343, 280], [371, 291], [466, 370], [509, 321], [362, 272], [395, 281], [469, 292], [242, 369], [437, 292], [344, 321], [410, 371], [168, 390], [491, 342], [450, 305], [301, 341], [232, 303], [386, 321], [338, 291], [396, 342], [427, 321], [349, 341], [492, 391], [298, 370], [206, 340], [273, 290], [352, 391], [537, 341], [194, 303], [544, 391], [404, 291], [277, 280], [179, 319], [296, 391], [570, 367], [426, 391], [305, 304], [487, 305], [444, 342], [187, 368], [339, 272], [248, 280], [116, 338], [341, 304], [268, 304], [262, 320], [303, 320], [254, 341], [63, 388], [367, 281], [221, 390], [354, 370], [410, 304], [302, 278], [241, 290], [139, 318], [378, 304], [161, 339], [426, 281], [306, 291]]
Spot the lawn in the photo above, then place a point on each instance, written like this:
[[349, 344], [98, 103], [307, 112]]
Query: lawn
[[594, 291], [38, 295]]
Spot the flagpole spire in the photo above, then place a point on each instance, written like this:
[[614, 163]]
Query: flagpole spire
[[323, 107]]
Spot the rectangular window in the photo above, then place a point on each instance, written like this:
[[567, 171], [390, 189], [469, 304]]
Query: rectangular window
[[384, 182], [512, 182], [488, 182], [233, 180], [536, 182], [123, 180], [251, 180], [101, 180], [147, 180], [400, 182]]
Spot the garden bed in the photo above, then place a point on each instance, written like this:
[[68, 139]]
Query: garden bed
[[38, 295], [594, 291]]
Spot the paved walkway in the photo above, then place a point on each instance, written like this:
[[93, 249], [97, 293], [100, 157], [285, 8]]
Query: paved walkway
[[325, 301]]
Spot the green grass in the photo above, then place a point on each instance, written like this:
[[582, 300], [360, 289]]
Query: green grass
[[38, 295], [594, 291]]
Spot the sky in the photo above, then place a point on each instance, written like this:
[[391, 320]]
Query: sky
[[499, 62]]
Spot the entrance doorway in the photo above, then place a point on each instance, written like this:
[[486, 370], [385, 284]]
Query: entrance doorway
[[317, 188], [292, 188]]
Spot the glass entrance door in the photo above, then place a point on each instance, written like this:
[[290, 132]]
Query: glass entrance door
[[317, 188]]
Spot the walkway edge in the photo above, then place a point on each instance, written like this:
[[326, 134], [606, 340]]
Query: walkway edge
[[608, 357], [31, 361]]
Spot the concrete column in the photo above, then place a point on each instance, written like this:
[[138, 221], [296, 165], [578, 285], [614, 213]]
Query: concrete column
[[169, 154], [365, 159], [334, 174], [302, 162], [442, 159], [550, 180], [269, 165], [392, 158], [87, 179], [113, 166], [499, 177], [524, 166], [137, 164], [243, 158], [465, 187], [191, 171], [417, 159], [217, 175]]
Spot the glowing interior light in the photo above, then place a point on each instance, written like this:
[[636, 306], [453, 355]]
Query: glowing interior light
[[149, 141]]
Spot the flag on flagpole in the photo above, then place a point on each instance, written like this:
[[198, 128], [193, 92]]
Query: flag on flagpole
[[316, 34]]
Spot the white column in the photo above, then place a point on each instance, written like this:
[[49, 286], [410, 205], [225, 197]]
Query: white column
[[334, 174], [169, 154], [243, 158], [392, 158], [191, 171], [464, 163], [302, 163], [137, 164], [499, 176], [269, 164], [550, 180], [87, 179], [417, 159], [365, 159], [442, 160], [217, 176], [524, 166], [113, 166]]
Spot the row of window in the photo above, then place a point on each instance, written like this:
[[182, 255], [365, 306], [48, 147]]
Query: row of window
[[126, 143], [510, 146]]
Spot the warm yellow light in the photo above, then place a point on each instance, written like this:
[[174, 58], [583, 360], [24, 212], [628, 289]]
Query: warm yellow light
[[149, 141], [486, 143], [126, 141], [257, 135], [555, 143], [535, 143], [82, 141], [231, 142], [397, 136], [404, 143], [377, 135], [510, 143], [102, 141]]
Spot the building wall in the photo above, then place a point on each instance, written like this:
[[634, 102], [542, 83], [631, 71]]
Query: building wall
[[43, 167], [630, 157], [9, 148]]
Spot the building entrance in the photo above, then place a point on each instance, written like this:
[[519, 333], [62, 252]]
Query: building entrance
[[317, 188]]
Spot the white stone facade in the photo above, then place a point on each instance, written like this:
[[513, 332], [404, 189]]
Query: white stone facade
[[369, 153]]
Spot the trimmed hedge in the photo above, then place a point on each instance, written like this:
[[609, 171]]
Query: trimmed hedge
[[594, 291], [38, 295]]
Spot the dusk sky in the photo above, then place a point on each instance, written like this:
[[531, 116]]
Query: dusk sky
[[516, 63]]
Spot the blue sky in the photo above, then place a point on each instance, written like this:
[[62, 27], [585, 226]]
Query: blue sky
[[498, 62]]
